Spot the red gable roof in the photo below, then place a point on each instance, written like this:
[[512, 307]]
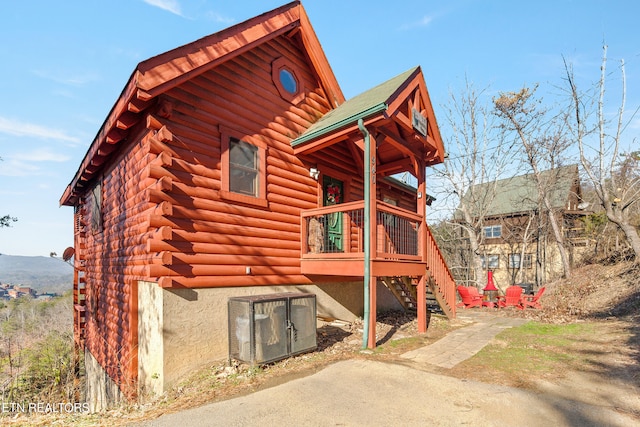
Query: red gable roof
[[163, 72]]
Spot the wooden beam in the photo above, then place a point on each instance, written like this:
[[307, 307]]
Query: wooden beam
[[137, 105], [406, 92], [319, 144], [416, 100], [390, 168], [403, 120], [356, 154], [114, 136], [397, 141], [127, 120], [422, 303], [153, 123], [106, 149], [97, 160]]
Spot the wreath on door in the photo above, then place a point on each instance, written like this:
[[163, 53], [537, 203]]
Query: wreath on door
[[334, 196]]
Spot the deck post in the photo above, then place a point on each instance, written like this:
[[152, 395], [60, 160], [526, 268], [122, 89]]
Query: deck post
[[422, 304], [421, 209]]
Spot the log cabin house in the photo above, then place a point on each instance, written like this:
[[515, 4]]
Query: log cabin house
[[233, 166]]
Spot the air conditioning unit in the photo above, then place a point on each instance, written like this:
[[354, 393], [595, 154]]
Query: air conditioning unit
[[266, 328]]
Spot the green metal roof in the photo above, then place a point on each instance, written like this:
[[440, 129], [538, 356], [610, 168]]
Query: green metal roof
[[366, 104], [520, 193]]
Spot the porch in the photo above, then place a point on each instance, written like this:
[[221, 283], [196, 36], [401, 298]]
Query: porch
[[396, 249], [402, 246], [388, 130]]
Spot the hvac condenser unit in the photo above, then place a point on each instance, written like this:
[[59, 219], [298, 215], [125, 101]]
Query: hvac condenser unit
[[266, 328]]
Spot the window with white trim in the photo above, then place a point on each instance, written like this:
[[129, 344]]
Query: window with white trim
[[492, 231]]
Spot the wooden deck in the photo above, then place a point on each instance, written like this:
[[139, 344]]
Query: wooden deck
[[396, 244], [397, 247]]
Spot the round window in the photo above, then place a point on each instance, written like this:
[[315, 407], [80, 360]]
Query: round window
[[288, 81]]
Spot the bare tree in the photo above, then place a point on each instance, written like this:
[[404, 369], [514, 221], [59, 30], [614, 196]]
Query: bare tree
[[613, 173], [543, 139], [476, 156], [518, 236]]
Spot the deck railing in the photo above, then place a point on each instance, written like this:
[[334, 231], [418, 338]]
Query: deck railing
[[440, 274], [338, 231]]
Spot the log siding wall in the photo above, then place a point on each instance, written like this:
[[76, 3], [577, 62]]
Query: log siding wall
[[214, 241], [112, 260]]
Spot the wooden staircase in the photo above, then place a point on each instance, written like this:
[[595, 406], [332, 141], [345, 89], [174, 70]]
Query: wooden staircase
[[440, 281], [433, 305], [403, 289], [441, 288]]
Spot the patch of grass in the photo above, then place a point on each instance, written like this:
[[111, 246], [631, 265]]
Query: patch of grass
[[535, 348], [400, 345]]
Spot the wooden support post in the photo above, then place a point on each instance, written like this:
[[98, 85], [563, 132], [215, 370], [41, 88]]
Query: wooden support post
[[422, 304], [421, 209]]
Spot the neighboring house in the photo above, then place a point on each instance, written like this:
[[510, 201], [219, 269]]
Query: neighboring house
[[512, 246], [233, 166], [14, 293], [26, 290]]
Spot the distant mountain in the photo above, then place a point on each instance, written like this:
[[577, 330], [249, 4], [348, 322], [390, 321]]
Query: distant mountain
[[44, 274]]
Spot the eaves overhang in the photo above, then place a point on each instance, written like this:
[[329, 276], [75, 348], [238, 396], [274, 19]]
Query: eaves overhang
[[157, 75], [351, 120]]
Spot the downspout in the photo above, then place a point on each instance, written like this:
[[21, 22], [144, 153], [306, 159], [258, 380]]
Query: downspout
[[367, 230]]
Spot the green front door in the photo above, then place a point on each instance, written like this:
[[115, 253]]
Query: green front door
[[333, 190]]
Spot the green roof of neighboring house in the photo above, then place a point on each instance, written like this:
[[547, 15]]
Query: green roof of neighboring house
[[520, 193], [361, 106]]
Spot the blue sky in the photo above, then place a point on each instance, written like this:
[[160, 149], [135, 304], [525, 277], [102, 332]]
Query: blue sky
[[64, 63]]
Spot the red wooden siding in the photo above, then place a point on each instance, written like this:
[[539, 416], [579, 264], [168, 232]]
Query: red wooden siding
[[214, 240], [112, 259]]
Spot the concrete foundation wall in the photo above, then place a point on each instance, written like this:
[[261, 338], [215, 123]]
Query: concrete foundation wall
[[181, 330], [150, 339], [100, 391]]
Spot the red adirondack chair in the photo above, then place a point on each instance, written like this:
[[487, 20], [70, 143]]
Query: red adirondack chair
[[470, 297], [533, 301], [512, 298]]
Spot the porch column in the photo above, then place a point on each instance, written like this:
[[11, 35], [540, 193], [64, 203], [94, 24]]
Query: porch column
[[369, 282], [422, 239]]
